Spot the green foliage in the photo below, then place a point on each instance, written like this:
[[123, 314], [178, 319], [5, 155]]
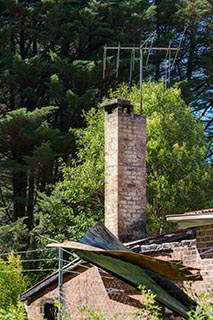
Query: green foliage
[[78, 198], [12, 283], [51, 54], [13, 236], [151, 310], [27, 161], [205, 308], [197, 50], [178, 178], [14, 312], [90, 314]]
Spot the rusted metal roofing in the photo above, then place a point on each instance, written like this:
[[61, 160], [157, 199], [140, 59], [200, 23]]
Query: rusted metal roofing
[[134, 246], [170, 270], [134, 268], [110, 250]]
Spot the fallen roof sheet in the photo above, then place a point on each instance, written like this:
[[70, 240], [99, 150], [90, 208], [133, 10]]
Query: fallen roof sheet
[[134, 268], [168, 269]]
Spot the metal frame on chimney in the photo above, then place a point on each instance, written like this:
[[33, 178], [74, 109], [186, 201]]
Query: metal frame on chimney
[[147, 45]]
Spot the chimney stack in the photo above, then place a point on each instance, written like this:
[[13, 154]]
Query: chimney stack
[[125, 171]]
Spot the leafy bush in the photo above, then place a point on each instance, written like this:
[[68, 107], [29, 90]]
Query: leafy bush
[[178, 176], [149, 310], [12, 283], [205, 308], [14, 312]]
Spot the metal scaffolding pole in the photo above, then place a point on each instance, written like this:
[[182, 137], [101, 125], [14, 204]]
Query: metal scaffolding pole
[[141, 78], [60, 282]]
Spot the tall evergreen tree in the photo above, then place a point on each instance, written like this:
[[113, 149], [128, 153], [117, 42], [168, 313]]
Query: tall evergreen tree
[[51, 54], [28, 153], [189, 23]]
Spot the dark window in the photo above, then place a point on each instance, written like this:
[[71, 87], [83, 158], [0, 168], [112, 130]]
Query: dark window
[[50, 311]]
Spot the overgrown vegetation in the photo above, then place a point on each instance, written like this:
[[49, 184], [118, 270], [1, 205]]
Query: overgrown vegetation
[[204, 309], [51, 158], [51, 55], [178, 178], [12, 283], [149, 310]]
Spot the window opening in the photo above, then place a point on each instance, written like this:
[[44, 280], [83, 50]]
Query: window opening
[[50, 311]]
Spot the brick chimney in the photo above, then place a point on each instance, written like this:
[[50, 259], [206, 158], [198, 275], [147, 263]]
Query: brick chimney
[[125, 171]]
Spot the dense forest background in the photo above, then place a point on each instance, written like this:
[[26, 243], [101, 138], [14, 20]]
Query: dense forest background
[[51, 125]]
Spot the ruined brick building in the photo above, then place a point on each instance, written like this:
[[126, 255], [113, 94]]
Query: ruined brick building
[[125, 217]]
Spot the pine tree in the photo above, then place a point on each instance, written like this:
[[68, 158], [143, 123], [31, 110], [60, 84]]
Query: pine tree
[[51, 54], [189, 23], [26, 162]]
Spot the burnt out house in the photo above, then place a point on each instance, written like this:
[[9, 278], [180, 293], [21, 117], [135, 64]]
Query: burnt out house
[[88, 285], [84, 285]]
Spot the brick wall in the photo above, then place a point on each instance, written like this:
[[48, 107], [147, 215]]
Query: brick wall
[[205, 254], [196, 253], [125, 171], [95, 289]]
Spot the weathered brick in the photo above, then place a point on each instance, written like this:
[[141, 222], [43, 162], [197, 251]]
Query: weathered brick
[[125, 186]]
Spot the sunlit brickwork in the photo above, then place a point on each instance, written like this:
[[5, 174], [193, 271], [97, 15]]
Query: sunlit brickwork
[[125, 171]]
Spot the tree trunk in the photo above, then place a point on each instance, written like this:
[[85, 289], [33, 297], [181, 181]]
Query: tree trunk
[[191, 54], [30, 200], [19, 193]]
